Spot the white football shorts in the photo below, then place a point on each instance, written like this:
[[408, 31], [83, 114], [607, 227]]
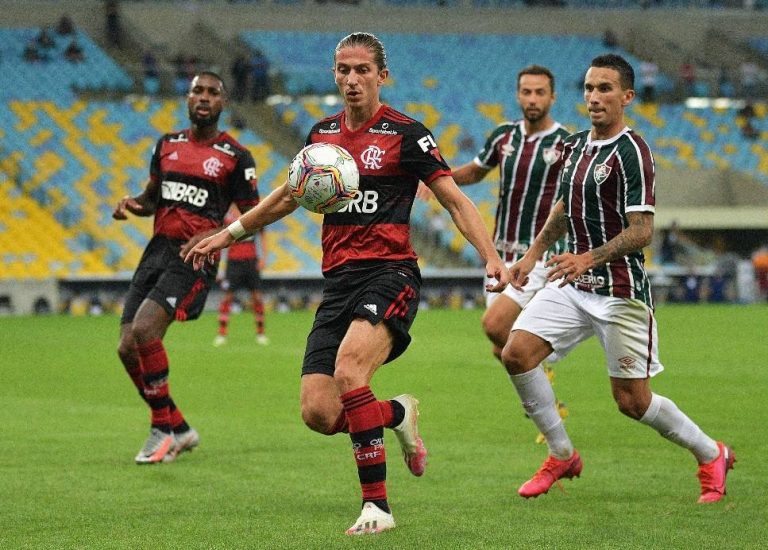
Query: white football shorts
[[536, 281], [626, 328]]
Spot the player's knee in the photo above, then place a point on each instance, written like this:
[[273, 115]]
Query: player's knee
[[126, 348], [496, 329], [315, 419], [125, 352], [629, 406], [514, 358], [145, 330]]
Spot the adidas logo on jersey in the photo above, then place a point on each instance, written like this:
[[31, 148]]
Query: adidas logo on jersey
[[372, 308]]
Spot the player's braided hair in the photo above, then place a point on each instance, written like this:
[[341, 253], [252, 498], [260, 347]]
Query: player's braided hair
[[537, 70], [366, 40], [618, 64]]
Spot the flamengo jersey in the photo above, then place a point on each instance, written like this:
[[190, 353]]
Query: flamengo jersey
[[393, 152], [601, 182], [198, 182], [529, 180]]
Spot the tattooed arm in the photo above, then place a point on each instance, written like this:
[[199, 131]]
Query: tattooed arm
[[554, 228], [637, 235]]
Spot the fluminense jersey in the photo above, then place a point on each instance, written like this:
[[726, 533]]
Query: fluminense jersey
[[199, 181], [529, 179], [393, 152], [602, 181]]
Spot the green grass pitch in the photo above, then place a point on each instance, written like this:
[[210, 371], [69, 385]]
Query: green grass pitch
[[71, 423]]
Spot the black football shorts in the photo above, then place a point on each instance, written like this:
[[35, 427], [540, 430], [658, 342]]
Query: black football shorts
[[389, 294], [242, 274], [164, 278]]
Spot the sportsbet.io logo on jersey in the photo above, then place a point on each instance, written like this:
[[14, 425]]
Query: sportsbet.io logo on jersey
[[183, 192]]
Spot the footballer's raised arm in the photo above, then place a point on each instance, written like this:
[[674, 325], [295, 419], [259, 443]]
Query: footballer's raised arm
[[275, 206]]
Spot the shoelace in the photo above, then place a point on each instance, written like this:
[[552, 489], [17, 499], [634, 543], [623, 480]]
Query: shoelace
[[549, 467]]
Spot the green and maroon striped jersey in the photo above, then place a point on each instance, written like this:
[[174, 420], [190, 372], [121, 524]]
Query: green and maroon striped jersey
[[601, 182], [529, 179]]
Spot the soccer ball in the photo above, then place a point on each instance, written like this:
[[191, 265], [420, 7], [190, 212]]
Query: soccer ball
[[323, 178]]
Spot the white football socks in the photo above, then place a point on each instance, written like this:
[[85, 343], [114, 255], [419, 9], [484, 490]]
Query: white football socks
[[538, 400], [664, 417]]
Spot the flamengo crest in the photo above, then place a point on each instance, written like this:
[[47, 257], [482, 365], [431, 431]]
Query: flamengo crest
[[371, 157], [212, 166], [601, 173]]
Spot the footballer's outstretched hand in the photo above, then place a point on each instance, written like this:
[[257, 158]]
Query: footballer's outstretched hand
[[129, 204], [568, 267], [495, 269], [205, 250], [519, 271]]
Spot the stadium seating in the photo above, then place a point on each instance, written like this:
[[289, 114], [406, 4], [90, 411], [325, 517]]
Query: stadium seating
[[70, 164], [425, 70], [65, 161], [55, 77]]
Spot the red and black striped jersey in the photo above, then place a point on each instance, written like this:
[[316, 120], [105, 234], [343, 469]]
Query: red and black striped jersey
[[198, 182], [393, 152], [529, 182], [602, 181]]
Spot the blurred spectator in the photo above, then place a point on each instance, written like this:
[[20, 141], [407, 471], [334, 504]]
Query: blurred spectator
[[44, 39], [74, 53], [748, 111], [186, 68], [467, 143], [151, 73], [760, 263], [745, 120], [236, 121], [32, 53], [670, 244], [112, 21], [718, 288], [749, 131], [260, 76], [65, 26], [748, 71], [687, 76], [724, 85], [649, 75], [610, 40], [240, 70], [692, 289]]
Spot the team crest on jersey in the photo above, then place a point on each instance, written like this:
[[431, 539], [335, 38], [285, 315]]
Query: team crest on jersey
[[601, 173], [551, 155], [212, 166], [371, 157], [507, 150]]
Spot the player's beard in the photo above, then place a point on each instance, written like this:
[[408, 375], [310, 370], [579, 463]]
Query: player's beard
[[536, 116], [203, 122]]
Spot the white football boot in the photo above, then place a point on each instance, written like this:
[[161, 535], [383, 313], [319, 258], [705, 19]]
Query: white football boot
[[407, 432], [372, 520]]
